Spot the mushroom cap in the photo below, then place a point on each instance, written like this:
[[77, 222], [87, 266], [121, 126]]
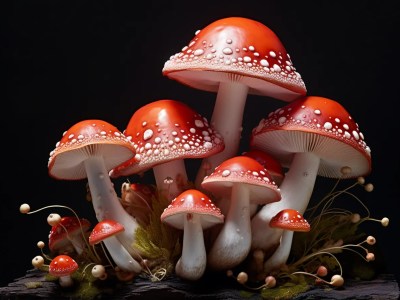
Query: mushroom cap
[[290, 219], [318, 125], [270, 163], [103, 230], [166, 130], [68, 226], [240, 49], [62, 265], [244, 170], [192, 201], [85, 139]]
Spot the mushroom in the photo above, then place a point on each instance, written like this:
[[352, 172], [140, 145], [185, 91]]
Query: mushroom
[[90, 149], [107, 231], [242, 180], [290, 221], [234, 57], [70, 230], [62, 266], [310, 136], [193, 212], [164, 133]]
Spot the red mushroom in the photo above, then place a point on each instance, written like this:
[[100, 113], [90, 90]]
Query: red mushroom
[[107, 231], [235, 57], [311, 136], [242, 180], [164, 133], [289, 220], [193, 212], [90, 149], [62, 266], [70, 230]]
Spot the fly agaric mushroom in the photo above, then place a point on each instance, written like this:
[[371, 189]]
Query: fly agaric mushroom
[[193, 212], [70, 230], [62, 266], [164, 133], [107, 231], [235, 57], [311, 136], [90, 149], [245, 181], [290, 221]]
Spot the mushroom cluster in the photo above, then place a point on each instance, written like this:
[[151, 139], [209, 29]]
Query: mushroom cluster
[[240, 211]]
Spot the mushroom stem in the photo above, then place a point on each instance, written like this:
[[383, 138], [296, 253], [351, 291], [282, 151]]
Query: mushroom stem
[[281, 254], [227, 120], [65, 281], [296, 190], [120, 255], [233, 242], [106, 204], [192, 263], [174, 169]]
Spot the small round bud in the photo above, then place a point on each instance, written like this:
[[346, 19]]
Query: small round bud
[[361, 180], [40, 244], [371, 240], [385, 222], [369, 187], [270, 281], [370, 256], [53, 219], [229, 273], [337, 280], [322, 271], [242, 277], [38, 261], [355, 218], [98, 271], [345, 170], [24, 208]]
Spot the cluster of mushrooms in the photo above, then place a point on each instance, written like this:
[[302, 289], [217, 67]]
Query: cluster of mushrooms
[[240, 207]]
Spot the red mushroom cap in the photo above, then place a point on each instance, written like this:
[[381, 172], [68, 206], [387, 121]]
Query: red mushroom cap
[[245, 170], [270, 163], [103, 230], [68, 226], [62, 265], [319, 125], [242, 47], [84, 139], [165, 130], [290, 219], [192, 202]]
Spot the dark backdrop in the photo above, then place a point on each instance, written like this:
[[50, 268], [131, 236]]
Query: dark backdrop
[[64, 61]]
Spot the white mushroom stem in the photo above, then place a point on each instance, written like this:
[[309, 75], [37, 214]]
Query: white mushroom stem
[[296, 190], [227, 120], [233, 242], [65, 281], [106, 203], [175, 170], [281, 254], [121, 256], [192, 263]]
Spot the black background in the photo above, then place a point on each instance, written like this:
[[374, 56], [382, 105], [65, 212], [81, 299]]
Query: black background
[[65, 61]]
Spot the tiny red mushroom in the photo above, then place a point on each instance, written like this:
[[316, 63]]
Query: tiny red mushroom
[[242, 181], [107, 231], [165, 133], [289, 220], [90, 149], [62, 266], [192, 211], [234, 57], [310, 136], [70, 230]]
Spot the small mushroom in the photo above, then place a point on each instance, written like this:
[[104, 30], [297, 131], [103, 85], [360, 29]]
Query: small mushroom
[[242, 181], [107, 231], [192, 211], [69, 230], [62, 266]]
